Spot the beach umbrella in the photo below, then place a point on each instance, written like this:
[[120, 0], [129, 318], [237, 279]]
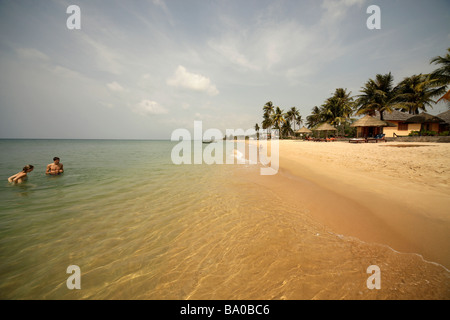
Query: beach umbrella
[[303, 130], [325, 127]]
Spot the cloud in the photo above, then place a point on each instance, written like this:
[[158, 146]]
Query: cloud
[[336, 9], [148, 107], [184, 79], [106, 58], [114, 86], [231, 49], [32, 54]]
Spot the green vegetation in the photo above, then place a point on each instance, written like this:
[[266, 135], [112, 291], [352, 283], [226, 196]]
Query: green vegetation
[[428, 133], [413, 94]]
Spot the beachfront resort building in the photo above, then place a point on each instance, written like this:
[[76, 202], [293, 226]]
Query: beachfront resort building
[[398, 125], [403, 123]]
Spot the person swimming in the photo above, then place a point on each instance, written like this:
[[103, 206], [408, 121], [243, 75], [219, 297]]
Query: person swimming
[[55, 168], [22, 175]]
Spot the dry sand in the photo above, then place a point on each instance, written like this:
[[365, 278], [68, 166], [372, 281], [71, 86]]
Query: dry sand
[[395, 194]]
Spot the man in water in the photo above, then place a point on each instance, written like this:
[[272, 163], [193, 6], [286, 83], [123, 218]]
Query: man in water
[[55, 168]]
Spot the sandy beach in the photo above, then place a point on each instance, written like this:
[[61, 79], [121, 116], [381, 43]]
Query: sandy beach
[[394, 194]]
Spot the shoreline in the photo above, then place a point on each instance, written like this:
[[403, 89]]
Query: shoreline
[[372, 205]]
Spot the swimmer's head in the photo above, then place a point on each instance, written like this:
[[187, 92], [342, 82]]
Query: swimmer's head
[[56, 159], [28, 168]]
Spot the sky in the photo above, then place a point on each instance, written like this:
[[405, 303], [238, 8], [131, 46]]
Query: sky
[[141, 69]]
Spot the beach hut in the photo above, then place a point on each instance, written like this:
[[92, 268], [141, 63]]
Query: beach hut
[[325, 127], [304, 130], [369, 126], [427, 122]]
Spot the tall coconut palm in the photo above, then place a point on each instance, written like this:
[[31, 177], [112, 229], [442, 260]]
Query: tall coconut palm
[[286, 128], [377, 95], [267, 122], [269, 108], [278, 120], [268, 116], [415, 93], [299, 120], [338, 108], [314, 118], [442, 74], [257, 131], [292, 115]]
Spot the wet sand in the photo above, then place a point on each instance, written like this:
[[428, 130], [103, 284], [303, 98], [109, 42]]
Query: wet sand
[[375, 192]]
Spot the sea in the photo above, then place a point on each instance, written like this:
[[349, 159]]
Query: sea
[[138, 226]]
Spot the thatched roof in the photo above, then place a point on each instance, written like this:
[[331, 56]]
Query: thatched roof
[[395, 115], [424, 118], [368, 121], [303, 130], [325, 127], [445, 116]]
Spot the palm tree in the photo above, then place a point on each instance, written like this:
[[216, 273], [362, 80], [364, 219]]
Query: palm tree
[[278, 120], [298, 120], [416, 92], [442, 74], [257, 131], [269, 108], [314, 118], [267, 122], [268, 116], [377, 95], [286, 128], [338, 108], [292, 115]]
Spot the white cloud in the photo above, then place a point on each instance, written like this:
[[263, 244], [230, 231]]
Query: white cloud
[[107, 59], [114, 86], [336, 9], [161, 4], [144, 81], [106, 104], [32, 54], [184, 79], [231, 49], [148, 107]]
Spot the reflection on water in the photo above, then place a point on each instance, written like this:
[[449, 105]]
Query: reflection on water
[[140, 227]]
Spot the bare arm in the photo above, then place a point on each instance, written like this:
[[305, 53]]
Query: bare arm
[[10, 179], [17, 177], [61, 170], [48, 169]]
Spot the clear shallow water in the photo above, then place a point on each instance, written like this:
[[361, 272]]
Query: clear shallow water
[[140, 227]]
